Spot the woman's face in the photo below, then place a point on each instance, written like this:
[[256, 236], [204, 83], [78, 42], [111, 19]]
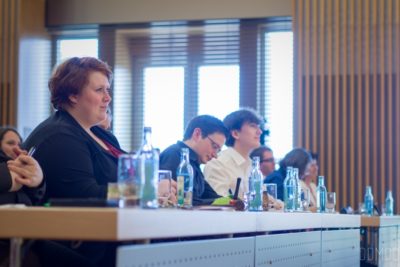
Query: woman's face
[[90, 106], [311, 170], [9, 142]]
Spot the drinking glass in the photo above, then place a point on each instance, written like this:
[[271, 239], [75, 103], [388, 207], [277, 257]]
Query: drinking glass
[[271, 189], [164, 188], [330, 202], [128, 181], [112, 194], [305, 199]]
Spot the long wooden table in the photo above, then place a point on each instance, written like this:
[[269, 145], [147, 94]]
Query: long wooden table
[[112, 224]]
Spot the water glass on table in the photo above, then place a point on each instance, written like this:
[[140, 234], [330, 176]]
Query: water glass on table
[[128, 181], [164, 188], [305, 199], [330, 202], [271, 190]]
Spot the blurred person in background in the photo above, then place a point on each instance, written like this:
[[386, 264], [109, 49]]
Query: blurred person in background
[[9, 139], [106, 124], [309, 179], [17, 169], [296, 158], [267, 160]]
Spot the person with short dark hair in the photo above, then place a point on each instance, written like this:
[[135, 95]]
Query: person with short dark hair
[[244, 136], [204, 136], [267, 160], [18, 171], [296, 158], [9, 139]]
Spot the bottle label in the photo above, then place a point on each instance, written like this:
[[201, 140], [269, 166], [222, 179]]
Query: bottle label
[[180, 189]]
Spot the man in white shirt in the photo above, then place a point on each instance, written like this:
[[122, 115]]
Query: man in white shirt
[[234, 162]]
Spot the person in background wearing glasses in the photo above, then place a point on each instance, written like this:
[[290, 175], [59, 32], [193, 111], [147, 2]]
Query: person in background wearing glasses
[[267, 160], [222, 173], [204, 136]]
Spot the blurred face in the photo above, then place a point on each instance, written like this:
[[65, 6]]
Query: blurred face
[[248, 137], [267, 163], [90, 106], [9, 142], [311, 170], [106, 124], [208, 147]]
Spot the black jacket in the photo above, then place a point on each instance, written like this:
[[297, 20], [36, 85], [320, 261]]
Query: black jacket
[[18, 197], [203, 194], [74, 165]]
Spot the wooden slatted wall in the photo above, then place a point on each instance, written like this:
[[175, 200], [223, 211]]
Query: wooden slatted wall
[[347, 93], [8, 61]]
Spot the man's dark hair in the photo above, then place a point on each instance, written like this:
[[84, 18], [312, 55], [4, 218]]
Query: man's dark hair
[[236, 119], [314, 155], [259, 152], [207, 124], [6, 129], [297, 158]]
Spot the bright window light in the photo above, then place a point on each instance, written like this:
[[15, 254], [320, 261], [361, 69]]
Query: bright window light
[[68, 48], [163, 105], [218, 90], [279, 91]]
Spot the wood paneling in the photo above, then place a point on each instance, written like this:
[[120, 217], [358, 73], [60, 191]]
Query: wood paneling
[[347, 90], [8, 44]]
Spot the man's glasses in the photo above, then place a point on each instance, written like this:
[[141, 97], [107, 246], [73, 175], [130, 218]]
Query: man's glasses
[[267, 160], [214, 145]]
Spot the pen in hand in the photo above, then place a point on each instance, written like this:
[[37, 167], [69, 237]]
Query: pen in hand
[[31, 151]]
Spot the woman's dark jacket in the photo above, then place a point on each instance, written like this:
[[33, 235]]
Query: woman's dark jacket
[[74, 164]]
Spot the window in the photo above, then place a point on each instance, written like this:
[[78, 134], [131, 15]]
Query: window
[[209, 67], [197, 61], [163, 104], [278, 57], [218, 90], [33, 93], [35, 70], [67, 48]]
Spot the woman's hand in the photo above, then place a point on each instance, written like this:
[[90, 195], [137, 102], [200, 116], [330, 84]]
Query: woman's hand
[[163, 189], [25, 170]]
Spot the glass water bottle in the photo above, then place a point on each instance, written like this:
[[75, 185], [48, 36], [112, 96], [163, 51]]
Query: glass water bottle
[[148, 167]]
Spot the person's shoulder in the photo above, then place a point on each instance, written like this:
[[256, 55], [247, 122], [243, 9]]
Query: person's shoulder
[[215, 163], [3, 157], [59, 122], [223, 158], [54, 129], [106, 135], [173, 149]]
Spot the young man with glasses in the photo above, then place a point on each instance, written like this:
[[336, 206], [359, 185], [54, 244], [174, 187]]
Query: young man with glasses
[[267, 161], [204, 136], [222, 173]]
